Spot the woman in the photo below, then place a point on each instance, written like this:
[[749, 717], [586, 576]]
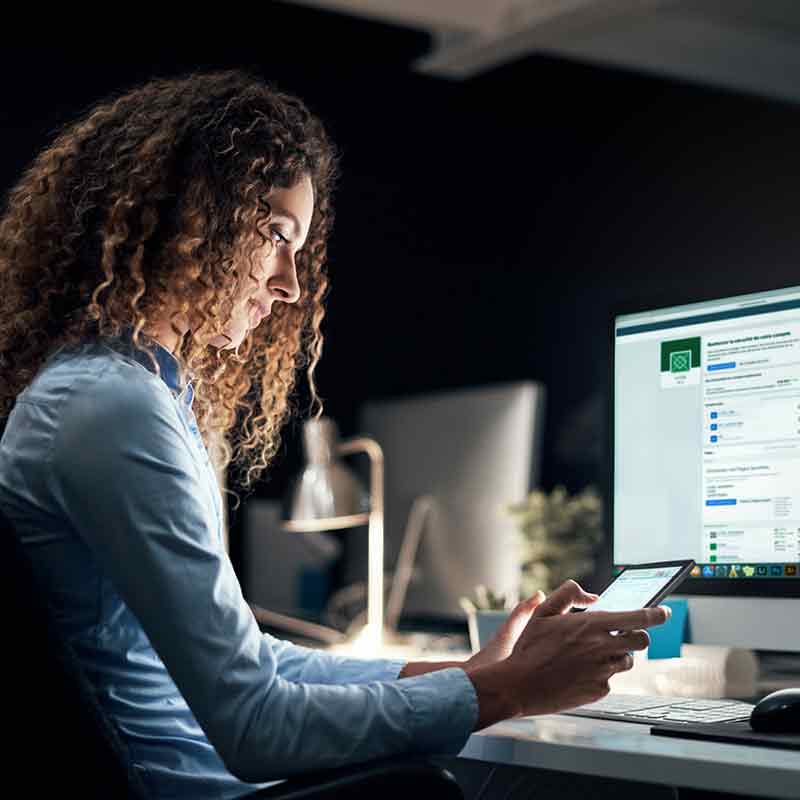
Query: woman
[[161, 284]]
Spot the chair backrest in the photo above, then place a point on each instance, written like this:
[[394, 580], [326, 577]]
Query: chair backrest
[[60, 741]]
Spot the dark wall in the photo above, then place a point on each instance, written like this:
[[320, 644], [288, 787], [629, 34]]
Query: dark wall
[[487, 229], [529, 206]]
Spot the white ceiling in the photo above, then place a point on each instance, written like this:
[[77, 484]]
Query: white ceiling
[[745, 45]]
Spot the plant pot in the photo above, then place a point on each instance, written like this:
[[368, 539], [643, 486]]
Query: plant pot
[[483, 625]]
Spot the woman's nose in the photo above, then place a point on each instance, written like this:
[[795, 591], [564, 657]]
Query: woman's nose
[[284, 283]]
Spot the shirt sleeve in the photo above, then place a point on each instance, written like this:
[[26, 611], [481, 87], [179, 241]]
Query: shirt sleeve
[[127, 477], [306, 665]]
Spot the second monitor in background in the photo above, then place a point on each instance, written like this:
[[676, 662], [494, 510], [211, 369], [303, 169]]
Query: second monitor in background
[[473, 452]]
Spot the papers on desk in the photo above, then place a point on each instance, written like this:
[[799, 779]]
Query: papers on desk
[[701, 671]]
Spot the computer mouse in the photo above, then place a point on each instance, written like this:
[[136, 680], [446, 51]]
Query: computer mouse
[[778, 712]]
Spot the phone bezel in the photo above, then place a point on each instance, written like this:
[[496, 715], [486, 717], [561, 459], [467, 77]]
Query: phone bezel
[[685, 568]]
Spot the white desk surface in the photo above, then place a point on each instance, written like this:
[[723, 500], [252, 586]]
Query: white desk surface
[[628, 751]]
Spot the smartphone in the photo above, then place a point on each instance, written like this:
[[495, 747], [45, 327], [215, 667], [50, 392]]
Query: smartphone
[[642, 585]]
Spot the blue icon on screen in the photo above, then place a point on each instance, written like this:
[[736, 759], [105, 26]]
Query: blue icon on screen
[[708, 572], [776, 571], [714, 426], [714, 438], [714, 415], [721, 571]]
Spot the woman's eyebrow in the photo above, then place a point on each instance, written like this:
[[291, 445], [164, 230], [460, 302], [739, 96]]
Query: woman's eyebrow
[[277, 211]]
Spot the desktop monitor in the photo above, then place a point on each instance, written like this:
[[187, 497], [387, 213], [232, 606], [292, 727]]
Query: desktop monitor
[[706, 459], [473, 451]]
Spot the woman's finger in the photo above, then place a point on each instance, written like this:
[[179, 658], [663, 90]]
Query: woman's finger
[[632, 640], [568, 595]]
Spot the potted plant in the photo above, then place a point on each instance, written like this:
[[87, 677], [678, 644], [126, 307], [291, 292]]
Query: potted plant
[[558, 537]]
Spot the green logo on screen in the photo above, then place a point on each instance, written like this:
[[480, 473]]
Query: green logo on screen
[[680, 361]]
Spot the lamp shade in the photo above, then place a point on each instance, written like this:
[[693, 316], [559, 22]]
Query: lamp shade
[[327, 495]]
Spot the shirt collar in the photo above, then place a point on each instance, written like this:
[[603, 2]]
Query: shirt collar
[[168, 367]]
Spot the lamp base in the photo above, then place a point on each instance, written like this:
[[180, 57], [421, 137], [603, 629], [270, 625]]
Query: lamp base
[[365, 642]]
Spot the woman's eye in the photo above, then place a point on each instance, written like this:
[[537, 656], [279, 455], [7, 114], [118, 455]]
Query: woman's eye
[[279, 237]]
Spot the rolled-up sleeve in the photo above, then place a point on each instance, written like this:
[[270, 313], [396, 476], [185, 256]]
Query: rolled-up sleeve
[[123, 458]]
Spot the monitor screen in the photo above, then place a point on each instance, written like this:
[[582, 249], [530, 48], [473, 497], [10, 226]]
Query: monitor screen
[[706, 441]]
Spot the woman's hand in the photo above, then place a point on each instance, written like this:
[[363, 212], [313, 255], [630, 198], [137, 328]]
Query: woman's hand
[[498, 649], [561, 660], [502, 643]]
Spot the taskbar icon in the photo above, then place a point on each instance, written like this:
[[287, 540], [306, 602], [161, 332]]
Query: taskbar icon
[[736, 570]]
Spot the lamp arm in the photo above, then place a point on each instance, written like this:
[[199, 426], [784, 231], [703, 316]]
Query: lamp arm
[[294, 625], [363, 444], [420, 509]]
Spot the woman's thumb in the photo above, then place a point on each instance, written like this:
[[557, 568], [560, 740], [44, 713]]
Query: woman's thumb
[[536, 599]]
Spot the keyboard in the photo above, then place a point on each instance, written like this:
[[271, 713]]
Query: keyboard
[[651, 710]]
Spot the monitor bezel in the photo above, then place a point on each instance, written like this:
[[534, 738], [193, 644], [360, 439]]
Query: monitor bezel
[[720, 587]]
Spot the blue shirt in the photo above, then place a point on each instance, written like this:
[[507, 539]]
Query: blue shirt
[[106, 478]]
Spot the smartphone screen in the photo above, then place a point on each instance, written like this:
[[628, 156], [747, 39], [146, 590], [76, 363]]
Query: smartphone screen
[[639, 587]]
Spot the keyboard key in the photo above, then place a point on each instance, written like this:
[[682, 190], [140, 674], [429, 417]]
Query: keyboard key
[[677, 716], [643, 709], [650, 713], [702, 705]]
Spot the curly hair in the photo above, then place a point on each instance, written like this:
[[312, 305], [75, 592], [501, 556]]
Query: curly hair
[[149, 205]]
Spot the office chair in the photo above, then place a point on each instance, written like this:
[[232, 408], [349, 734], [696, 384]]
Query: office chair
[[60, 742]]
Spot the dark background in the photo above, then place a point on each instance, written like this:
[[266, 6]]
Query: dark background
[[486, 229]]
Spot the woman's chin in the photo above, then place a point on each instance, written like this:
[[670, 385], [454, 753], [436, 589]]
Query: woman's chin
[[234, 335], [229, 342]]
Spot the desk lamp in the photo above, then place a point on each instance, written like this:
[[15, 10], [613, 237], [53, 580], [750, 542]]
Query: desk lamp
[[328, 496]]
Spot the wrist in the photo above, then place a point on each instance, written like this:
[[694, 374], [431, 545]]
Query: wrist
[[473, 662], [421, 667], [496, 689]]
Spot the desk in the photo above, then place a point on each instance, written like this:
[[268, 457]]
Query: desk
[[627, 751]]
